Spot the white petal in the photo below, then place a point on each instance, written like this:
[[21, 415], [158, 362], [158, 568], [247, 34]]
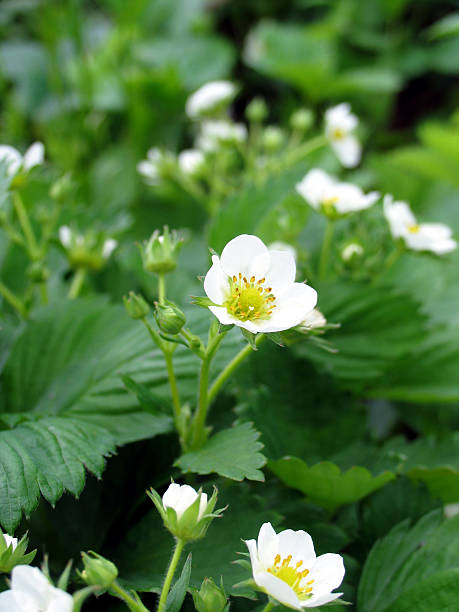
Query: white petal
[[10, 540], [65, 235], [14, 601], [216, 283], [278, 589], [187, 497], [208, 97], [292, 308], [245, 254], [148, 170], [252, 546], [32, 582], [190, 161], [12, 158], [109, 246], [34, 156], [202, 505], [320, 600], [298, 544], [267, 545], [316, 187], [348, 150], [327, 573], [171, 496], [60, 601], [281, 272], [223, 315]]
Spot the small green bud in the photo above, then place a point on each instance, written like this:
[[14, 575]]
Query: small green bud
[[169, 317], [98, 571], [257, 110], [159, 254], [273, 137], [210, 598], [37, 272], [136, 306], [61, 188], [302, 119]]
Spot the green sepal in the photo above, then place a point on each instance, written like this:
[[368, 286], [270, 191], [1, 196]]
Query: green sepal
[[63, 581], [189, 520], [10, 558], [275, 337], [250, 338], [203, 301], [156, 499], [176, 339], [222, 329], [243, 563]]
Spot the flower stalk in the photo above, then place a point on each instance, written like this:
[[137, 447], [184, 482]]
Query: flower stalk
[[180, 544], [77, 283], [132, 604], [326, 246]]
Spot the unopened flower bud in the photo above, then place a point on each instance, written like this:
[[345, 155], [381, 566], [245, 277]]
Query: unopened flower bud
[[13, 552], [37, 272], [273, 137], [302, 119], [159, 254], [210, 598], [352, 250], [136, 306], [186, 513], [98, 571], [257, 110], [61, 188], [169, 317]]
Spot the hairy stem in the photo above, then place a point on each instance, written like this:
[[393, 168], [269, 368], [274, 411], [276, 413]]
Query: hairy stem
[[170, 574], [131, 603]]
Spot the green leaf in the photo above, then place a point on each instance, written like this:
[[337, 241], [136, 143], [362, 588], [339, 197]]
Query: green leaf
[[145, 552], [233, 453], [245, 211], [325, 484], [439, 592], [177, 593], [407, 558]]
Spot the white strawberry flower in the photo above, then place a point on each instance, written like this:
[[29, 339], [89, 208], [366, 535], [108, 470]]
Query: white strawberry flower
[[15, 162], [325, 193], [210, 97], [286, 568], [31, 591], [10, 541], [434, 237], [150, 168], [215, 133], [191, 161], [340, 124], [181, 497], [254, 287]]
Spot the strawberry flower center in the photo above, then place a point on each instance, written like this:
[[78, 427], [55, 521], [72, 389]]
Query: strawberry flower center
[[249, 299], [293, 576]]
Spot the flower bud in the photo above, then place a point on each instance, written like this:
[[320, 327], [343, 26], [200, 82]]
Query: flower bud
[[98, 571], [273, 137], [61, 188], [256, 111], [159, 254], [37, 272], [13, 552], [351, 251], [169, 317], [186, 513], [136, 306], [210, 598], [302, 119]]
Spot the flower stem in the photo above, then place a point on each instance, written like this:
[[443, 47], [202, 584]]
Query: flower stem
[[13, 300], [305, 149], [44, 292], [203, 398], [77, 283], [326, 245], [161, 288], [131, 603], [269, 606], [176, 404], [21, 212], [230, 368], [170, 574]]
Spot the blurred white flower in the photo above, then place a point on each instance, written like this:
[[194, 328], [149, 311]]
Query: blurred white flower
[[191, 161], [351, 250], [339, 126], [434, 237], [9, 540], [181, 497], [324, 192], [108, 247], [31, 591], [254, 287], [150, 168], [314, 320], [215, 133], [278, 245], [209, 97], [15, 162], [286, 568]]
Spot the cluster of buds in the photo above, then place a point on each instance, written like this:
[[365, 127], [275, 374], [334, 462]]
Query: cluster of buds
[[186, 513], [89, 251]]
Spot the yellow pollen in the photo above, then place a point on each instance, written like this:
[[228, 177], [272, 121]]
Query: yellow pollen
[[292, 576], [249, 300], [414, 229], [338, 134]]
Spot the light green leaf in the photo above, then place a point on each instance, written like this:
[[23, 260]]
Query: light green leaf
[[233, 453], [325, 484], [177, 593]]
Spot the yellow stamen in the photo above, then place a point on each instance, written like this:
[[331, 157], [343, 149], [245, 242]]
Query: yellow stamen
[[292, 576]]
